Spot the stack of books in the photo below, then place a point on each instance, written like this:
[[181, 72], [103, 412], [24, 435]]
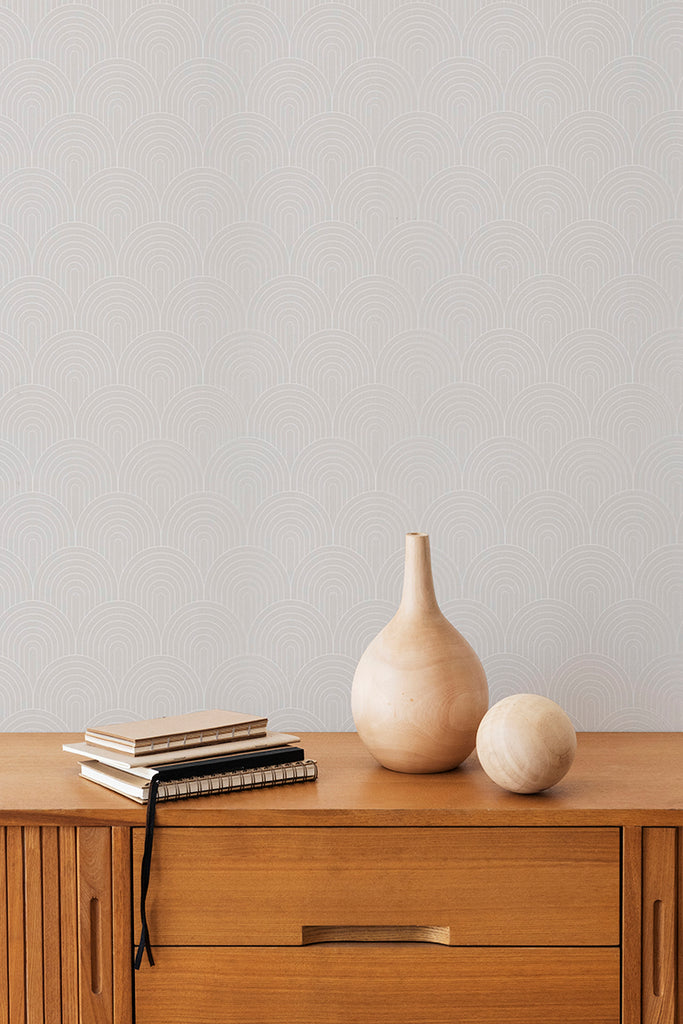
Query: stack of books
[[198, 753], [202, 752]]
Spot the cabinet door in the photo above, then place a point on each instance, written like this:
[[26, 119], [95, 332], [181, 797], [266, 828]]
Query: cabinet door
[[64, 920], [660, 912]]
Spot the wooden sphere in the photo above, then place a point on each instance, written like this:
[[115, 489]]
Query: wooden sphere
[[526, 743]]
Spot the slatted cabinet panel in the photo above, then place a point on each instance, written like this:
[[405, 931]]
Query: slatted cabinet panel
[[64, 906]]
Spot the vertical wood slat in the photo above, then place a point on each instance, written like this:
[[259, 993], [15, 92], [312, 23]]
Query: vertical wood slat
[[4, 945], [122, 940], [659, 968], [52, 995], [93, 846], [15, 924], [679, 895], [33, 924], [68, 920], [631, 924]]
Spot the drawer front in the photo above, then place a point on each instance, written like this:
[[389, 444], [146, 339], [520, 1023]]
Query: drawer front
[[392, 984], [511, 887]]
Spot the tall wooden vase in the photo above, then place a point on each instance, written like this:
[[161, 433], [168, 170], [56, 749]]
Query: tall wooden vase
[[419, 691]]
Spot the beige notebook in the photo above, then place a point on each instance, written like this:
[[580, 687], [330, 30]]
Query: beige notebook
[[120, 759], [193, 729]]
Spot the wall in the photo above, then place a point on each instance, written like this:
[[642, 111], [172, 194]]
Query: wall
[[280, 282]]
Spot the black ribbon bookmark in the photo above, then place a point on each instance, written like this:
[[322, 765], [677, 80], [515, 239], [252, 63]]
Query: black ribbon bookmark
[[202, 768], [144, 943]]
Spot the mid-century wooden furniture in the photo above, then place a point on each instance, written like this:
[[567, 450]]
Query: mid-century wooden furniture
[[368, 897]]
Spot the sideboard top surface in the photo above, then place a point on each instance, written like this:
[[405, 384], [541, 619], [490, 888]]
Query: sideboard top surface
[[616, 779]]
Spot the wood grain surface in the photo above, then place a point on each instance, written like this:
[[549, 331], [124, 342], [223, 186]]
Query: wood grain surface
[[68, 886], [660, 963], [632, 912], [94, 925], [403, 984], [261, 886], [16, 942], [616, 779], [122, 977]]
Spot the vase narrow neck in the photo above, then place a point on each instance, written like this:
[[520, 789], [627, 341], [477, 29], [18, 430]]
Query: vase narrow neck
[[418, 584]]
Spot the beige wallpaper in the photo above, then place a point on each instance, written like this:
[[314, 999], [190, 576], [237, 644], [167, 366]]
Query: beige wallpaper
[[282, 281]]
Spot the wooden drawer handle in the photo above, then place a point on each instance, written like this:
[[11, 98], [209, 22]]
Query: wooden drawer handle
[[311, 934]]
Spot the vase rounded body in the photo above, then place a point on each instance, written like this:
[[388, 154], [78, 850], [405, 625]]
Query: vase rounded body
[[419, 691]]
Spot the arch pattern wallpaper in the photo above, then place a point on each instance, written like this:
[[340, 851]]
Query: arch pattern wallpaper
[[283, 281]]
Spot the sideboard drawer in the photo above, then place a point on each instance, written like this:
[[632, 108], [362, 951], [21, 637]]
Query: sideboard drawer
[[402, 984], [479, 886]]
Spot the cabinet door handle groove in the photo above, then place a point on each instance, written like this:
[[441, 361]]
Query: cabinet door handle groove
[[95, 947], [657, 948]]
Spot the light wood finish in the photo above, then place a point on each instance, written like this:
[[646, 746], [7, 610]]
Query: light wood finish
[[419, 690], [660, 966], [260, 886], [526, 743], [404, 984]]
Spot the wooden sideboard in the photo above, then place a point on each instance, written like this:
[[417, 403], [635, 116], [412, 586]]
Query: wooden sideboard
[[367, 897]]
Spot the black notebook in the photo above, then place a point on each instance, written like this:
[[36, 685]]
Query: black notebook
[[194, 778]]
